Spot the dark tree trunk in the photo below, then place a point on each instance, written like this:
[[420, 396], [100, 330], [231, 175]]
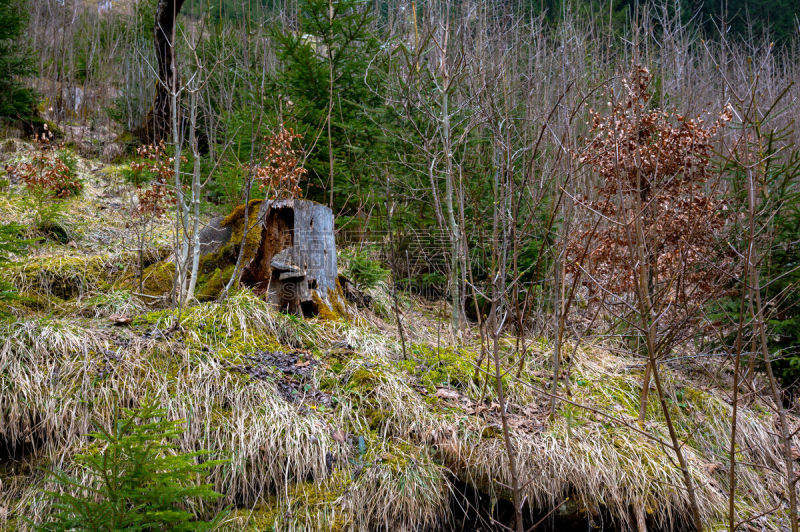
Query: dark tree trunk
[[158, 126]]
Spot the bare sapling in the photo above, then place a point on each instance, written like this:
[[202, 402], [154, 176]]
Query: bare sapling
[[152, 200]]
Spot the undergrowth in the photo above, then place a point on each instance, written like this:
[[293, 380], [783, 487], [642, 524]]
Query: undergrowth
[[385, 438], [355, 434]]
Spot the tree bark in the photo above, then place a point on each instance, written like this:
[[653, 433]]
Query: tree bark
[[164, 32], [195, 201]]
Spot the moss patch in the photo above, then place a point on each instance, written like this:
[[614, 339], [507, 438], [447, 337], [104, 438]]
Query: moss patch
[[442, 366], [261, 518], [158, 279], [211, 285]]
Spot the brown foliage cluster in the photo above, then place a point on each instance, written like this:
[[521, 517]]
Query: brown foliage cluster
[[47, 173], [153, 201], [653, 193], [280, 173]]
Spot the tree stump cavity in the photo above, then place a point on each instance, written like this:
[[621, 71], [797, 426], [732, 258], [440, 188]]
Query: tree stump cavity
[[295, 264]]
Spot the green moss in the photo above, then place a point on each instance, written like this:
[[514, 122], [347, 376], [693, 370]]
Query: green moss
[[364, 379], [214, 329], [236, 344], [376, 418], [444, 366], [237, 213], [210, 286], [324, 310], [620, 393], [168, 363], [315, 505], [64, 276], [33, 301], [158, 278], [336, 298], [258, 519], [235, 220]]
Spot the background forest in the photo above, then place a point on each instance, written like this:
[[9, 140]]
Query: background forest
[[558, 217]]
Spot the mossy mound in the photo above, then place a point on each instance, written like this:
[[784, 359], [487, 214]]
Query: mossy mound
[[67, 276]]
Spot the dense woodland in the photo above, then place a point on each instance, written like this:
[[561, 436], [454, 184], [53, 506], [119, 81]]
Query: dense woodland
[[568, 247]]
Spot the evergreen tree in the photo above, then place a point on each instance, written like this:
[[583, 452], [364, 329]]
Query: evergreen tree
[[774, 18], [137, 479], [10, 244], [328, 56], [16, 101]]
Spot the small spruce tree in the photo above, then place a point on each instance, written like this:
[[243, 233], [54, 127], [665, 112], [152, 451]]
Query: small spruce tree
[[137, 479], [11, 243]]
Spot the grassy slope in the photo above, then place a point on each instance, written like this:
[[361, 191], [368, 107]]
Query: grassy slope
[[352, 435]]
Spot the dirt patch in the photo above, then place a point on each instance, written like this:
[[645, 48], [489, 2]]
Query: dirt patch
[[292, 370]]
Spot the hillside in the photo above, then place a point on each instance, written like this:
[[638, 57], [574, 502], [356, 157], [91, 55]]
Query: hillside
[[324, 421], [399, 265]]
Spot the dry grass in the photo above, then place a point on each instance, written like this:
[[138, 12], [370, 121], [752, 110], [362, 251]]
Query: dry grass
[[64, 276], [385, 453], [400, 438], [397, 435]]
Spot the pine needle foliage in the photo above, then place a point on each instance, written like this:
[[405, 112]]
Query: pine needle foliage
[[16, 100], [136, 479]]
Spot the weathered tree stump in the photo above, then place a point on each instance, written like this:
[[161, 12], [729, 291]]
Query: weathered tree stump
[[295, 264]]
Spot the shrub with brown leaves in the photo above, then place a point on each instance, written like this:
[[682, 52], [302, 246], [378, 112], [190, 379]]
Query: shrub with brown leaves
[[153, 201], [49, 177], [280, 173], [654, 206]]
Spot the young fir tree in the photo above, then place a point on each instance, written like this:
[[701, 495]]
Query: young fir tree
[[137, 479], [324, 63], [11, 244]]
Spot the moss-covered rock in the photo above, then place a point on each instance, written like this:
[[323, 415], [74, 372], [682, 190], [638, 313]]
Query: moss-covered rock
[[215, 268], [158, 279]]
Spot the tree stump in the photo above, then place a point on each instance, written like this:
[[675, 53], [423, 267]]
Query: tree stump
[[295, 264]]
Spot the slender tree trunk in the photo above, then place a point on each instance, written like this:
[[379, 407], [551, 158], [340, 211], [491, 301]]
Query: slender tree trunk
[[452, 226], [558, 290], [747, 292], [195, 200], [140, 253], [393, 268], [643, 211], [649, 324], [233, 282], [330, 108], [645, 396], [500, 242], [181, 248], [676, 443]]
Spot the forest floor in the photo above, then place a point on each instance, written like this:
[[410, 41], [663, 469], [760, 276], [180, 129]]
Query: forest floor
[[327, 423]]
